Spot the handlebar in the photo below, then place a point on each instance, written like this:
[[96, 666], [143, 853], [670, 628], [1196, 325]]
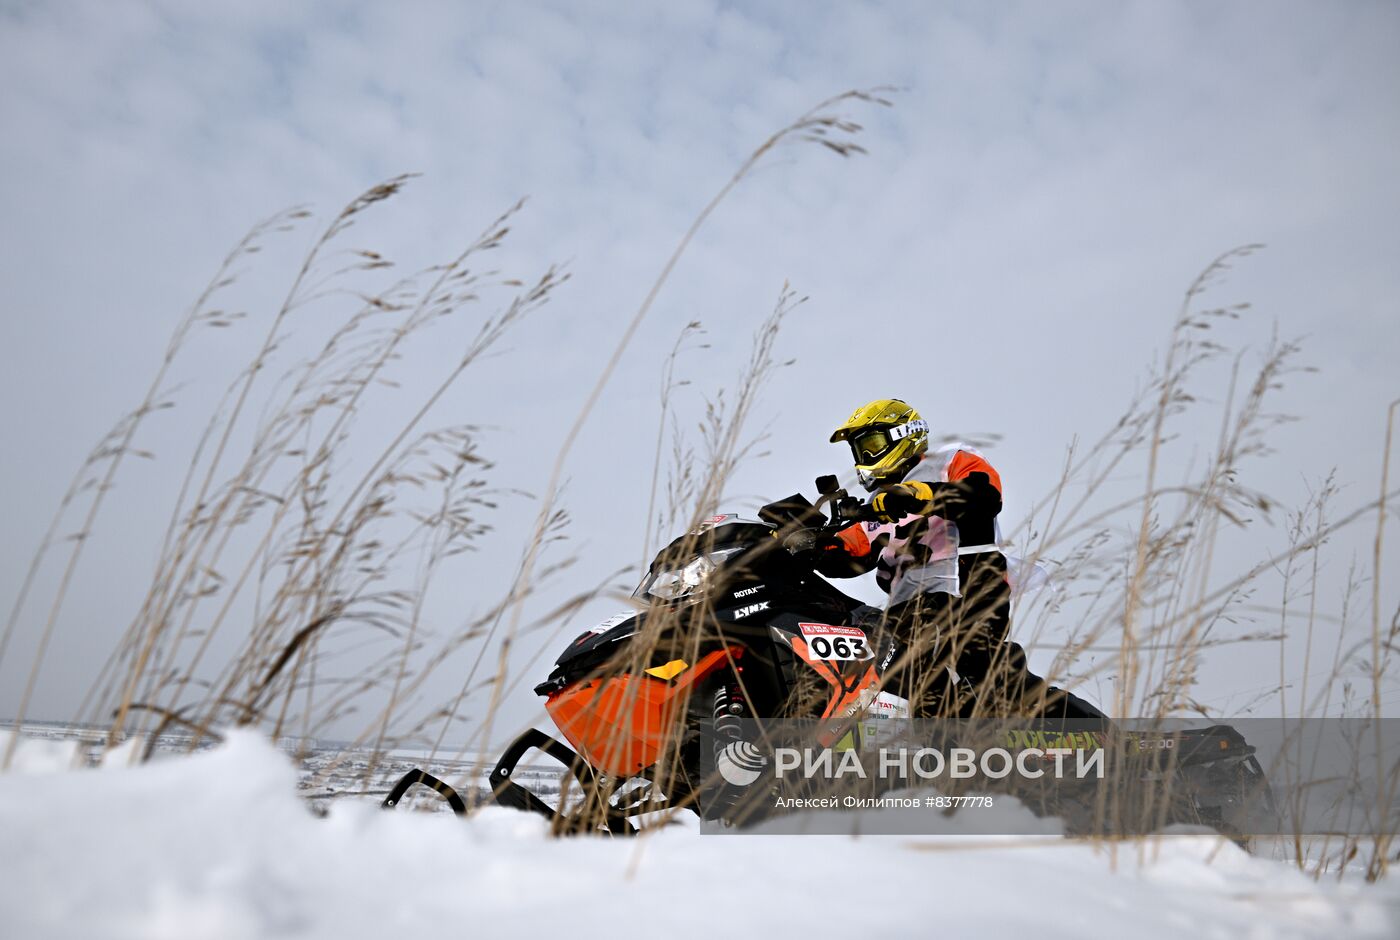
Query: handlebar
[[845, 511]]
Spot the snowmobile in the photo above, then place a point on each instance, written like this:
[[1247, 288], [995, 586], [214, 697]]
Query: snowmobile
[[733, 625]]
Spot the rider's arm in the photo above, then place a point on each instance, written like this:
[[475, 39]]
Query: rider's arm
[[851, 553], [971, 497], [979, 497]]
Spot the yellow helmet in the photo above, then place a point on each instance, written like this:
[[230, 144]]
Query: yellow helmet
[[887, 438]]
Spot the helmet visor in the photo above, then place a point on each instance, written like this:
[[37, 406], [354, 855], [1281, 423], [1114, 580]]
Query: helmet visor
[[870, 446]]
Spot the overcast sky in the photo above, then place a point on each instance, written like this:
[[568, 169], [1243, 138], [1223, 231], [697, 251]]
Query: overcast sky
[[1008, 257]]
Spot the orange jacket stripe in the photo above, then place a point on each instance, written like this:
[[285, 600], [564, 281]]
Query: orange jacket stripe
[[855, 541], [964, 463]]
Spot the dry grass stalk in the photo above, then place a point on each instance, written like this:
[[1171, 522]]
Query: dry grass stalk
[[276, 535]]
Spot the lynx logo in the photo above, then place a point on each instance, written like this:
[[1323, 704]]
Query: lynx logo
[[747, 591], [743, 612], [740, 763]]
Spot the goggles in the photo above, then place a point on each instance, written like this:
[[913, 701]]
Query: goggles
[[870, 445]]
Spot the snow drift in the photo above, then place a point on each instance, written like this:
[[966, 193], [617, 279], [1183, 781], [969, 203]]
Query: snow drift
[[218, 845]]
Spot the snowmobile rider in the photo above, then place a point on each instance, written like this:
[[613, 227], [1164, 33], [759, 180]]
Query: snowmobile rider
[[934, 551]]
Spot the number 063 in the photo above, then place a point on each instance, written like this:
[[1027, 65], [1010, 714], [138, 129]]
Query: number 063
[[836, 648]]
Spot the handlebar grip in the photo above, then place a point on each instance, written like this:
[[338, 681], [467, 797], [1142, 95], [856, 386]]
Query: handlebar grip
[[853, 510]]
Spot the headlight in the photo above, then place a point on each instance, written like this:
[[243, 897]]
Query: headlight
[[670, 584]]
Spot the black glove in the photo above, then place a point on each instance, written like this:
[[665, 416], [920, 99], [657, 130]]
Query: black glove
[[895, 502], [940, 499]]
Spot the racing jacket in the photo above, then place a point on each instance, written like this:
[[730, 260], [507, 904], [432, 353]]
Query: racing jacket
[[919, 554]]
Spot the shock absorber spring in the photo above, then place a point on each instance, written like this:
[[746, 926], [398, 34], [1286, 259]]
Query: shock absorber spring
[[729, 712]]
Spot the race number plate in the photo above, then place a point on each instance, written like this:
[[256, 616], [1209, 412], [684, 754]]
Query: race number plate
[[835, 643]]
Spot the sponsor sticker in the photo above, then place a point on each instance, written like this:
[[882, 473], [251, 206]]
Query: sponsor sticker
[[904, 430]]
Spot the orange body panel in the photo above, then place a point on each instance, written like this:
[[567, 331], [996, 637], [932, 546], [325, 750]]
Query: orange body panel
[[620, 724], [846, 696]]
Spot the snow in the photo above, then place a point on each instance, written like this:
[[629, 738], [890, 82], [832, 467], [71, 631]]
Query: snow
[[218, 845]]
